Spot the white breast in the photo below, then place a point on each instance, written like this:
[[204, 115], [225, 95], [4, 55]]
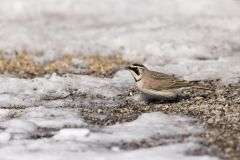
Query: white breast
[[157, 94]]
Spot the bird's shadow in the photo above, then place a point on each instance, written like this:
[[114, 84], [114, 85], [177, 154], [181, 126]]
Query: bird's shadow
[[163, 100]]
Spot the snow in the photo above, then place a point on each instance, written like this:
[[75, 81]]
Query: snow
[[171, 35], [4, 137], [54, 118], [43, 91], [88, 143], [19, 126], [160, 153], [4, 113], [73, 134], [17, 129], [171, 152], [148, 124], [193, 39]]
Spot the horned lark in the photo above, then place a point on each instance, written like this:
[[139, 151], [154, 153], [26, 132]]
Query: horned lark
[[159, 85]]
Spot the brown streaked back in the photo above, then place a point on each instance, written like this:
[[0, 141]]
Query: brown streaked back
[[160, 81]]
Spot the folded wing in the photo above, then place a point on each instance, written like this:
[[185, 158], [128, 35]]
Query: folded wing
[[163, 81]]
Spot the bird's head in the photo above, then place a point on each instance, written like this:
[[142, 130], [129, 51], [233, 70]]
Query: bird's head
[[137, 71]]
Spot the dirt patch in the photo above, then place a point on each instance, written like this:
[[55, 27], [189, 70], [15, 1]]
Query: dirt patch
[[154, 141], [22, 65], [105, 66], [218, 110]]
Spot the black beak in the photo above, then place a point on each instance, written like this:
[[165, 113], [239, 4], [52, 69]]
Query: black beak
[[128, 67]]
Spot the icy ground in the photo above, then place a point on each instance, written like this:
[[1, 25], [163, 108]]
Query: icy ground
[[48, 129], [71, 138], [190, 38]]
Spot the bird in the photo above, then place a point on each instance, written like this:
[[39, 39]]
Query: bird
[[158, 85]]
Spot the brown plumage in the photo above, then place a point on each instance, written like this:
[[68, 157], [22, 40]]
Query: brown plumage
[[159, 84], [160, 81]]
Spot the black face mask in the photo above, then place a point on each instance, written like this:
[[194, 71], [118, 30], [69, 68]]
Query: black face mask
[[136, 71]]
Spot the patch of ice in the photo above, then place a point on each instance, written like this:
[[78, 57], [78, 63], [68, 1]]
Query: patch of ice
[[5, 137], [17, 129], [54, 118], [94, 145], [19, 126], [148, 124], [55, 90], [72, 134], [170, 152], [4, 113], [41, 151]]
